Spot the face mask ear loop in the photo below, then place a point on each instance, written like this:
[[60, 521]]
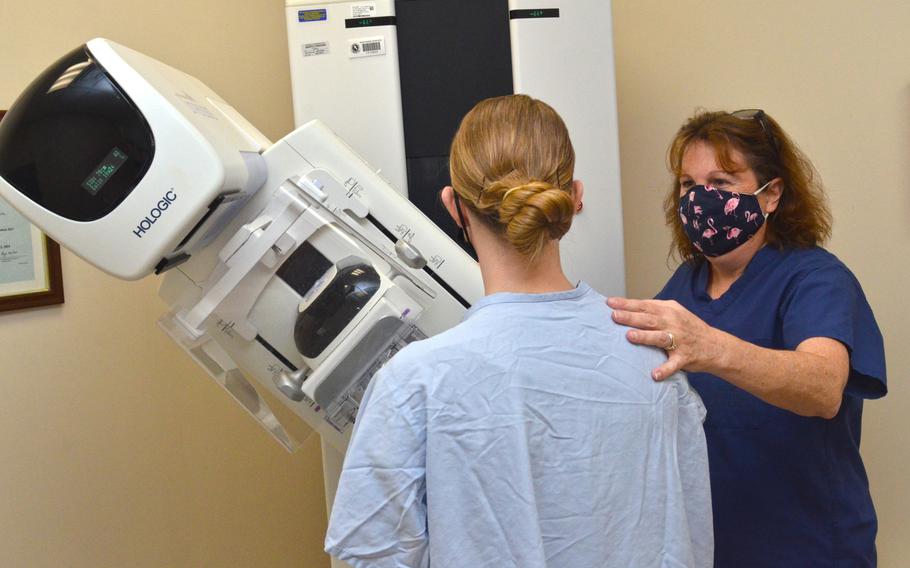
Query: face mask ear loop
[[761, 189], [464, 228]]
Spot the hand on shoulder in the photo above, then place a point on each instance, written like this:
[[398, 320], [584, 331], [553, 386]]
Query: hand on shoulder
[[690, 343]]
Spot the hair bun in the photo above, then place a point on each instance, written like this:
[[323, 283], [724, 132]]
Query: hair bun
[[534, 213], [512, 162]]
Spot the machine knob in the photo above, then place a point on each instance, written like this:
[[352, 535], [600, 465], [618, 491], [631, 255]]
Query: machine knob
[[410, 255], [291, 384]]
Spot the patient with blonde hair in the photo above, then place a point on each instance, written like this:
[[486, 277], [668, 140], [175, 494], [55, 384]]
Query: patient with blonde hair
[[531, 435]]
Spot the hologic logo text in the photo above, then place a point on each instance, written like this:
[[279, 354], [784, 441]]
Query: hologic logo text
[[155, 213]]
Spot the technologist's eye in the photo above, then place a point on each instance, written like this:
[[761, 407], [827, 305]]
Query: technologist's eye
[[685, 183]]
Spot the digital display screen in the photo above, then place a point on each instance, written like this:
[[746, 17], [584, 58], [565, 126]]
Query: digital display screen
[[311, 15], [103, 171], [370, 22], [538, 13]]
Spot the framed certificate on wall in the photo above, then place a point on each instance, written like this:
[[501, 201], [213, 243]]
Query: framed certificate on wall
[[30, 272]]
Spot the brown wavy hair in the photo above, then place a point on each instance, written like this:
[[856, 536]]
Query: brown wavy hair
[[802, 218], [512, 163]]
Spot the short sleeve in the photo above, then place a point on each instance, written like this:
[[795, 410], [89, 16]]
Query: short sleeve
[[379, 515], [829, 302]]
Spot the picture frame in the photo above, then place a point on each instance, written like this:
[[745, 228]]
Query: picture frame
[[30, 270]]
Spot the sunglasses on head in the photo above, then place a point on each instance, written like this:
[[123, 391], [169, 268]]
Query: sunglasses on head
[[762, 118]]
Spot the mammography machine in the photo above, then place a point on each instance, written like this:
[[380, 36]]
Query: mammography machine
[[297, 267], [292, 263]]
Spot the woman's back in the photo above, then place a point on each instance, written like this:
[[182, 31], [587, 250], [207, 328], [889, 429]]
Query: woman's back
[[530, 435]]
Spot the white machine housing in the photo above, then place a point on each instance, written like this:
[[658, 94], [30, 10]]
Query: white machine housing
[[206, 161], [308, 288], [319, 193], [356, 90]]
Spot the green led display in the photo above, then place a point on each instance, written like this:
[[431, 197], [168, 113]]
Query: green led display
[[103, 171], [369, 22], [535, 13]]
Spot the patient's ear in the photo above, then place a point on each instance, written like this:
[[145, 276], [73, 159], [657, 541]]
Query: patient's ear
[[578, 194], [448, 200]]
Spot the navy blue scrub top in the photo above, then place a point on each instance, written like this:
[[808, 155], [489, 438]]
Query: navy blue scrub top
[[788, 491]]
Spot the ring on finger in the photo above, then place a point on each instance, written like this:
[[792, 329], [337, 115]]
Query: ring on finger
[[671, 343]]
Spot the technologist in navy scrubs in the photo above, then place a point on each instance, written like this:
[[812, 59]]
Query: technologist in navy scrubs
[[777, 337]]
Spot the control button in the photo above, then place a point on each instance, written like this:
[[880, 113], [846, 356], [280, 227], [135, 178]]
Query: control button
[[410, 255], [312, 187], [291, 384]]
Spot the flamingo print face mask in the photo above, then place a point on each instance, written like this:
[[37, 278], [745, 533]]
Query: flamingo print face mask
[[717, 221]]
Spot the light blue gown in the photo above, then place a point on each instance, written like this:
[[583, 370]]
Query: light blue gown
[[530, 435]]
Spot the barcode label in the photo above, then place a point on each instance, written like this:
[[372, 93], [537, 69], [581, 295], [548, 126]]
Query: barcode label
[[367, 47], [363, 11]]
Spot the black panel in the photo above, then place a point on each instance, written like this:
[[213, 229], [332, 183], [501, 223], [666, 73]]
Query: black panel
[[450, 58], [304, 268], [74, 142], [334, 308], [166, 264], [531, 14], [426, 177], [369, 22]]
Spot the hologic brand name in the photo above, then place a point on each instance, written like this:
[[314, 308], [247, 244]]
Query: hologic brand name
[[155, 213]]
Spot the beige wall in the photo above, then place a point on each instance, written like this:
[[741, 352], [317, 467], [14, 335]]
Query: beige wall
[[836, 74], [116, 450]]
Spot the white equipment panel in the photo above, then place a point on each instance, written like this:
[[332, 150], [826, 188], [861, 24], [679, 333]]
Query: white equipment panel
[[348, 78], [568, 63]]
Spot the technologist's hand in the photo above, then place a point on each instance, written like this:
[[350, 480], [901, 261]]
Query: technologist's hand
[[690, 343]]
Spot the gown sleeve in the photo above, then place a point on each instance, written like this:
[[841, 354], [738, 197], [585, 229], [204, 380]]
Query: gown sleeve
[[379, 518], [829, 302]]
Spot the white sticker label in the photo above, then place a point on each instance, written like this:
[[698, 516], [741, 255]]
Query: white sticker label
[[367, 47], [318, 48], [363, 10]]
